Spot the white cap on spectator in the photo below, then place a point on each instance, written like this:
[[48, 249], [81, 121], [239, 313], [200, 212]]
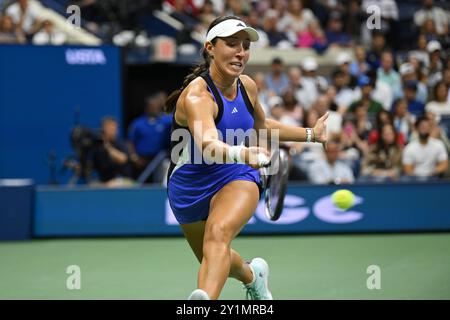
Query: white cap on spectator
[[229, 27], [309, 64], [406, 68], [433, 45], [274, 101], [342, 58]]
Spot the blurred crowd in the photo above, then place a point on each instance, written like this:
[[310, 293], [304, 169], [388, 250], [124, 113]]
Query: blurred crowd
[[389, 114], [21, 23], [319, 25], [388, 92]]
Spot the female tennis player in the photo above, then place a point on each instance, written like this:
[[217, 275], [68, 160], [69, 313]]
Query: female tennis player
[[214, 199]]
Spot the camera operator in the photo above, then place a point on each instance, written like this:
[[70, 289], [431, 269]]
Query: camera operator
[[111, 158]]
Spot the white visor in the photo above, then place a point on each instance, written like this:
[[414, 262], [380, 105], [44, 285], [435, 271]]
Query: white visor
[[229, 27]]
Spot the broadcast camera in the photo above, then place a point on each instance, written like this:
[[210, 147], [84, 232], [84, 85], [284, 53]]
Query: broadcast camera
[[84, 142]]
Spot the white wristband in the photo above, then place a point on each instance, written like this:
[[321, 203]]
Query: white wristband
[[234, 152], [263, 160]]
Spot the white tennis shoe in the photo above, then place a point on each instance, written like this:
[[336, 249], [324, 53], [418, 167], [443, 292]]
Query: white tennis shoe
[[198, 294], [258, 289]]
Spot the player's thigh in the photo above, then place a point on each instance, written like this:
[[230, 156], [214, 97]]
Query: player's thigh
[[231, 208], [194, 233]]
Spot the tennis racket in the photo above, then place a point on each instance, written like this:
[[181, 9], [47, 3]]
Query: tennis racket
[[274, 182]]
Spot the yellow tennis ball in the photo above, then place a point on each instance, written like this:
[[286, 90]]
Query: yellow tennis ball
[[343, 199]]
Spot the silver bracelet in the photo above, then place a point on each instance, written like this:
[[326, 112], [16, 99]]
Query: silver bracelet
[[308, 134]]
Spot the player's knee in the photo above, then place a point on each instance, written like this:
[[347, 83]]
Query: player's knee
[[218, 233]]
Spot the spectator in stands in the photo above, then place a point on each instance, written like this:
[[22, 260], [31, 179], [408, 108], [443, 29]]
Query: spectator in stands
[[437, 131], [184, 11], [403, 119], [302, 88], [149, 135], [185, 7], [436, 14], [345, 96], [354, 146], [420, 53], [353, 17], [277, 81], [330, 170], [439, 106], [382, 92], [388, 75], [313, 38], [428, 30], [280, 6], [9, 33], [384, 117], [305, 154], [434, 70], [292, 112], [275, 104], [207, 14], [384, 160], [296, 20], [343, 61], [253, 21], [425, 157], [111, 159], [447, 81], [24, 15], [360, 66], [264, 94], [377, 47], [410, 92], [363, 122], [371, 106], [48, 35], [237, 7], [335, 35], [313, 83], [323, 104], [408, 73], [296, 83], [276, 38]]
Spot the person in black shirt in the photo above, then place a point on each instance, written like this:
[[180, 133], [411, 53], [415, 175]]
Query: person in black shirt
[[111, 157]]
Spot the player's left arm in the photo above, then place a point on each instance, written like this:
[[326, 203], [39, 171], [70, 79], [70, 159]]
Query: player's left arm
[[286, 132]]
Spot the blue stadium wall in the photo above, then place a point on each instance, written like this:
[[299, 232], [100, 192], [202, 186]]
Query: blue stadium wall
[[44, 92], [307, 209]]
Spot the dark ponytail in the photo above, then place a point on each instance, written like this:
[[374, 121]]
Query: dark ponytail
[[172, 99], [197, 71]]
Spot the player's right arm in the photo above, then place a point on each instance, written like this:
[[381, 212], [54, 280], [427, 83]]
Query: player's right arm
[[199, 109]]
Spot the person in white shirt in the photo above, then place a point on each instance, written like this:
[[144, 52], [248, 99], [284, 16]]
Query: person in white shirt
[[312, 83], [330, 170], [438, 15], [48, 35], [24, 14], [425, 157], [440, 106]]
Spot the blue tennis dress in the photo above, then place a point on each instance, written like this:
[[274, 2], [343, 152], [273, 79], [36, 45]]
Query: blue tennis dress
[[190, 186]]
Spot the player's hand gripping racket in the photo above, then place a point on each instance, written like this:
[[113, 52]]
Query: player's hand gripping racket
[[274, 182]]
